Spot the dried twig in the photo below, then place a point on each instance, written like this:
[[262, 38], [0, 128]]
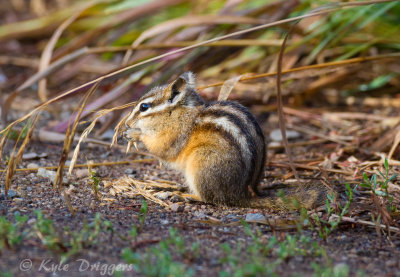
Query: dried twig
[[364, 222]]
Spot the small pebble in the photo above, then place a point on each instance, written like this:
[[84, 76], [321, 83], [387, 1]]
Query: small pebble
[[276, 135], [200, 215], [164, 221], [49, 174], [130, 171], [162, 195], [82, 173], [71, 188], [32, 165], [30, 156], [18, 200], [11, 194], [177, 207], [391, 263], [33, 155], [255, 218]]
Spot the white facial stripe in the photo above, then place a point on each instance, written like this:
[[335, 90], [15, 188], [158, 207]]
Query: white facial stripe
[[163, 106], [231, 128], [146, 100], [191, 81]]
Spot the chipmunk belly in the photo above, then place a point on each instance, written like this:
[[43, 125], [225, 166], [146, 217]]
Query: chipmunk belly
[[191, 158]]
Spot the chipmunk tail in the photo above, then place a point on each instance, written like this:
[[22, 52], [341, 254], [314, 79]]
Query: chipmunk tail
[[292, 197]]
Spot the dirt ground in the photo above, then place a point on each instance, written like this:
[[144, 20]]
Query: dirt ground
[[359, 247]]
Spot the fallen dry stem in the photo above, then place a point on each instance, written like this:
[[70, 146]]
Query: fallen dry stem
[[146, 194], [314, 168], [311, 67], [85, 165], [367, 223]]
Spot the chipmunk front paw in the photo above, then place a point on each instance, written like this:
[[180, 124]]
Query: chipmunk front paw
[[132, 134]]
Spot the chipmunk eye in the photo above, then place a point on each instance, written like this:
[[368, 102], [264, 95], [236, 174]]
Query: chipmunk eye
[[144, 107]]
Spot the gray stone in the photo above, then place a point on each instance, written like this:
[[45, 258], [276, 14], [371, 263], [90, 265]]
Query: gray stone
[[177, 207], [130, 171], [391, 263], [33, 155], [276, 135], [255, 218], [200, 215], [32, 165], [82, 173], [18, 200], [49, 174], [11, 194], [30, 156], [163, 195]]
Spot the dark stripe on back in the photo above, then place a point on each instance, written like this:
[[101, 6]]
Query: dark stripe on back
[[244, 131], [249, 116], [246, 112]]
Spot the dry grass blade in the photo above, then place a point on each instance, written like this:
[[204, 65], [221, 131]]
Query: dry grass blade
[[37, 26], [47, 52], [189, 21], [69, 138], [87, 131], [15, 159], [314, 67], [85, 165], [263, 26], [282, 124], [117, 131], [2, 142], [227, 88], [97, 50], [68, 202], [77, 148], [366, 223], [146, 194], [36, 77], [395, 145], [125, 17]]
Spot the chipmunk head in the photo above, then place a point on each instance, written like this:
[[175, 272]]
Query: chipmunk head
[[162, 106]]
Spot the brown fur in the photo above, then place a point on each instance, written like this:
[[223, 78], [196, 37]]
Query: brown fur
[[218, 146]]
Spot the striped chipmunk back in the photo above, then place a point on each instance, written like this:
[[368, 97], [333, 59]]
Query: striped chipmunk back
[[218, 146]]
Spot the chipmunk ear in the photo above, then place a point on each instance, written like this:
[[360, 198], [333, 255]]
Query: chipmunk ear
[[185, 82]]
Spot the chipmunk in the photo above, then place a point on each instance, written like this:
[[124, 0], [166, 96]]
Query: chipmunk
[[218, 146]]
